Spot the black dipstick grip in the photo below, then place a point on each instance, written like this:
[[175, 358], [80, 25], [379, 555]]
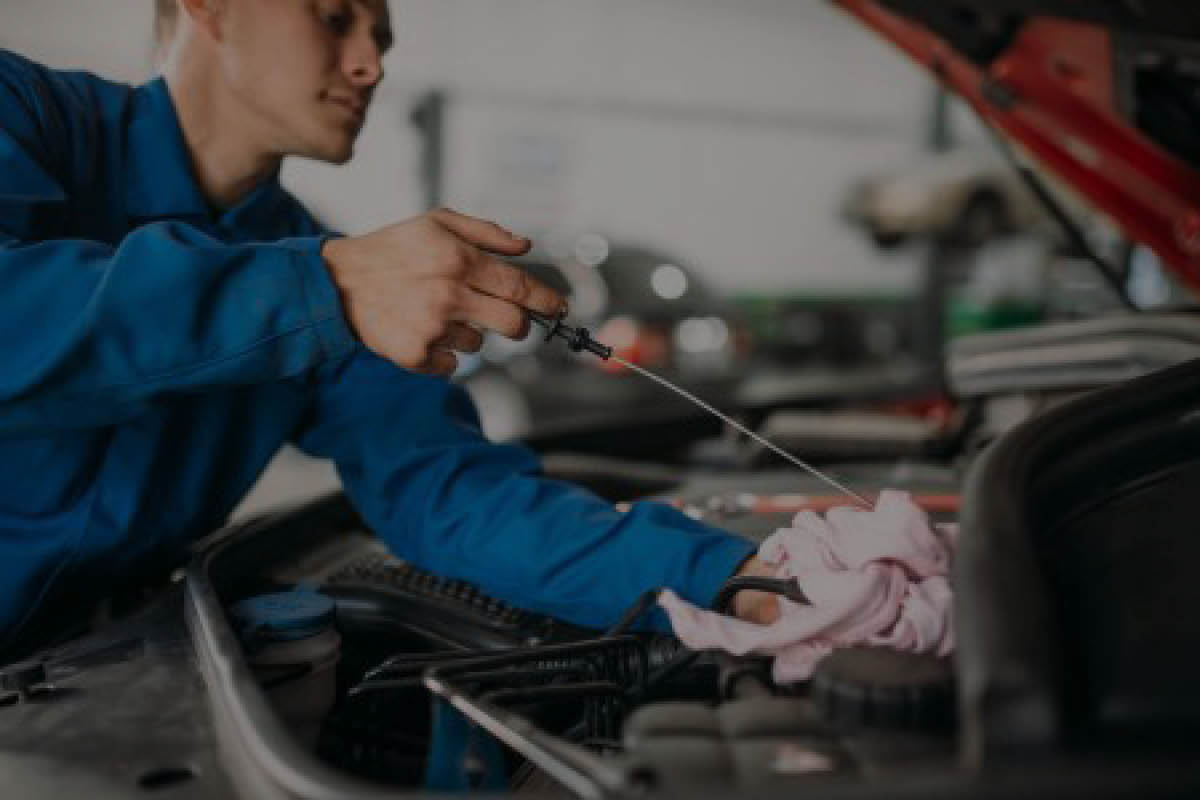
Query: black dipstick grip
[[577, 339]]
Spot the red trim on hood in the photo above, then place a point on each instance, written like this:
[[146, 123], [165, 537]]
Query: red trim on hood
[[1060, 77]]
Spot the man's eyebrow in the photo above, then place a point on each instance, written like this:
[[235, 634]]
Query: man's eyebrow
[[383, 37], [382, 29]]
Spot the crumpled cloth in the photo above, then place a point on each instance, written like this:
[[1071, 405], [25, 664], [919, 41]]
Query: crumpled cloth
[[876, 577]]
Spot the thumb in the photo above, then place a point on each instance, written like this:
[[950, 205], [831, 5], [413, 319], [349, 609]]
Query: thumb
[[482, 233]]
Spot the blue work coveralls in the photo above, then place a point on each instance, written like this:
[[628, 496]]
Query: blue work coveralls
[[156, 352]]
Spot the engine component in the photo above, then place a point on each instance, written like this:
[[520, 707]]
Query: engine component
[[24, 678], [745, 742], [377, 585], [293, 648], [881, 687]]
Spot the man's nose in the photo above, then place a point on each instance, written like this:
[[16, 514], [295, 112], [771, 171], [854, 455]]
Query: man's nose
[[363, 61]]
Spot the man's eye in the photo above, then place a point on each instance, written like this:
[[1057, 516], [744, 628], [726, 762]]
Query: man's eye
[[336, 21]]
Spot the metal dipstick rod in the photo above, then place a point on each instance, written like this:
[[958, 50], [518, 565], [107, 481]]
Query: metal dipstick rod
[[579, 339]]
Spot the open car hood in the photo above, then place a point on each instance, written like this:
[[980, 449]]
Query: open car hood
[[1104, 94]]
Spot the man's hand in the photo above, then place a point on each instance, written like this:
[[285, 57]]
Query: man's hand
[[752, 605], [418, 291]]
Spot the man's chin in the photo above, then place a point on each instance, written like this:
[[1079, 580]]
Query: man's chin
[[342, 155], [332, 151]]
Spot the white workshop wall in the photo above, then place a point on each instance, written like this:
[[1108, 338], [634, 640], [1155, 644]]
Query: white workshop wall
[[722, 130]]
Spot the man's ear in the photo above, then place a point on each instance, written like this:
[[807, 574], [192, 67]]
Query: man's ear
[[206, 15]]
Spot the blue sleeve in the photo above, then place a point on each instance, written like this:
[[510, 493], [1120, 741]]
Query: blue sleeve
[[90, 332], [415, 464]]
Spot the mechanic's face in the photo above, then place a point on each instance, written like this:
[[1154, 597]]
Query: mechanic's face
[[304, 70]]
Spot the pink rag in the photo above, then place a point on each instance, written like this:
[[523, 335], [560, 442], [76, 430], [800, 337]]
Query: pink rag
[[872, 577]]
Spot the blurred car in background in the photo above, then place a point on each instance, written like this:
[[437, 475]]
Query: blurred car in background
[[647, 305], [968, 195]]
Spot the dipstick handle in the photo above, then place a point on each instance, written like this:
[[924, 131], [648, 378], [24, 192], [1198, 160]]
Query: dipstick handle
[[578, 339]]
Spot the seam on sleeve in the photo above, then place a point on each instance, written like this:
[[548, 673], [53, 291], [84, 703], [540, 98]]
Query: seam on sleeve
[[173, 373]]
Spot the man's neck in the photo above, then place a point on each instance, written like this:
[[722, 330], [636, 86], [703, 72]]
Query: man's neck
[[227, 163]]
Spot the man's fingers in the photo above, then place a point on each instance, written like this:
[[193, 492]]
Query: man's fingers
[[755, 606], [439, 362], [493, 314], [498, 279], [461, 338], [482, 233]]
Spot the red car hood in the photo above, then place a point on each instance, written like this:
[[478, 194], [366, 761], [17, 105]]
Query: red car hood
[[1105, 96]]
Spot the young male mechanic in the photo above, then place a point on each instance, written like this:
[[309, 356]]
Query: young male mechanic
[[170, 316]]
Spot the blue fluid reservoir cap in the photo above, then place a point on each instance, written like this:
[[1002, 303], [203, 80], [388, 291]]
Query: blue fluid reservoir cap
[[284, 615]]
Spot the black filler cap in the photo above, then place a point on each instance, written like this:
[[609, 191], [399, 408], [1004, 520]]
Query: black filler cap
[[880, 687]]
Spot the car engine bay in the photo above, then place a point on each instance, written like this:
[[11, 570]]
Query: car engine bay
[[597, 711], [295, 657]]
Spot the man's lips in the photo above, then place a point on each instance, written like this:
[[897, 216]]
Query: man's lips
[[355, 108]]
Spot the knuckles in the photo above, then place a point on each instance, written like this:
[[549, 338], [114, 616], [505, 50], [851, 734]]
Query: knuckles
[[515, 284], [450, 257], [443, 298], [513, 325]]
